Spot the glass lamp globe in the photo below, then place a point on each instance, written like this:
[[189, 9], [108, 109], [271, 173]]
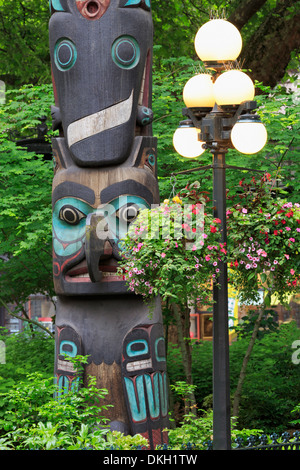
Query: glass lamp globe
[[249, 135], [218, 40], [198, 92], [185, 140], [233, 87]]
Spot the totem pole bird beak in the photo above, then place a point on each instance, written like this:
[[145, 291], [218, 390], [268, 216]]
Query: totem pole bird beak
[[94, 245], [99, 243]]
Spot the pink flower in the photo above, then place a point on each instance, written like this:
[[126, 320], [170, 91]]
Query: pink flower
[[244, 211], [207, 258], [292, 239], [287, 256], [163, 255], [292, 271]]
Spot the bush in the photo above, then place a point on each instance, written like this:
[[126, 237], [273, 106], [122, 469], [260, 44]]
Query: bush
[[32, 419], [272, 385], [25, 354]]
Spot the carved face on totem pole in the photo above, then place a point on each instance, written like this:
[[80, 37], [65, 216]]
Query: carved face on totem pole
[[105, 155]]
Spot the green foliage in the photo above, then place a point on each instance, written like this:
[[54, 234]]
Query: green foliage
[[33, 418], [272, 384], [24, 54], [25, 199], [268, 323], [279, 110], [198, 430], [169, 78], [25, 354], [118, 441]]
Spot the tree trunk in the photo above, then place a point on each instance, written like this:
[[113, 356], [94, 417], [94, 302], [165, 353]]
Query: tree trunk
[[245, 11], [182, 317], [26, 318], [268, 52], [238, 392]]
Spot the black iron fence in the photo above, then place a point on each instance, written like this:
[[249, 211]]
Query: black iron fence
[[262, 442], [283, 442]]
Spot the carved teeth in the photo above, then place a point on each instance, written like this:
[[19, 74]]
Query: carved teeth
[[138, 365], [65, 365], [81, 275]]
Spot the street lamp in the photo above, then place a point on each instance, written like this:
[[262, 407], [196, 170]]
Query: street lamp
[[220, 108]]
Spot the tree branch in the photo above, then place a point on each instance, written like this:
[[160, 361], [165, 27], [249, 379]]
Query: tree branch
[[245, 11], [29, 320]]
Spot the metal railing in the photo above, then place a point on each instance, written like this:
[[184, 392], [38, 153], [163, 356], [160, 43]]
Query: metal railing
[[283, 442], [262, 442]]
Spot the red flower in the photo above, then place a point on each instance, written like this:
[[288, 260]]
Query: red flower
[[217, 221], [275, 232], [236, 263], [213, 229]]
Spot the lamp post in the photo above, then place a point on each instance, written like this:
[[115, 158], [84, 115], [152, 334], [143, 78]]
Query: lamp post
[[219, 115]]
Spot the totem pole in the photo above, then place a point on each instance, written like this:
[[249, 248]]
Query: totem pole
[[105, 155]]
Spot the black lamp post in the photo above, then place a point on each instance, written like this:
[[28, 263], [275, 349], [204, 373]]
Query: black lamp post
[[218, 119]]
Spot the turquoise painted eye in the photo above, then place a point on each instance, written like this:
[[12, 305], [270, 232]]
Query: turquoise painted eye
[[70, 214], [151, 159], [126, 52], [65, 54], [137, 348]]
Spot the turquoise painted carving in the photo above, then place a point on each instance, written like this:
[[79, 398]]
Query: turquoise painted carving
[[56, 5], [137, 403]]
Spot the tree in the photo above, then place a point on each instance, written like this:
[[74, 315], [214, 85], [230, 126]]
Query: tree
[[264, 234], [25, 201], [268, 50], [270, 31], [24, 54]]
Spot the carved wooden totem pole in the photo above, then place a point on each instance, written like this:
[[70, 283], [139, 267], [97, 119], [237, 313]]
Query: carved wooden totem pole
[[101, 55]]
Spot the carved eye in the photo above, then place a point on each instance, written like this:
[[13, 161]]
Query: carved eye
[[146, 4], [125, 52], [128, 213], [65, 54], [71, 215]]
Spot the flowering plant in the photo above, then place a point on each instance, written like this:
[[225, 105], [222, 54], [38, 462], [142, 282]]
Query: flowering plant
[[264, 234], [173, 250]]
